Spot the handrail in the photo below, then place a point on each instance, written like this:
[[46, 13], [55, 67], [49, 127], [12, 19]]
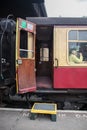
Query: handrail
[[57, 62], [26, 50]]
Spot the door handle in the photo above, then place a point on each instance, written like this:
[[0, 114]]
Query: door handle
[[19, 62], [57, 62]]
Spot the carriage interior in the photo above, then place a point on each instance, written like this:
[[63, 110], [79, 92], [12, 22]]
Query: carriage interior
[[44, 57]]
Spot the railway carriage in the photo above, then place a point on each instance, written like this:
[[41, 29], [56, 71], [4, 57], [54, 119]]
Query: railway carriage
[[42, 65]]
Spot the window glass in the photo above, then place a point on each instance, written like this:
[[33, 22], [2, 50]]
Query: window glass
[[26, 44], [72, 35], [23, 44], [78, 46], [44, 54], [83, 35], [78, 52]]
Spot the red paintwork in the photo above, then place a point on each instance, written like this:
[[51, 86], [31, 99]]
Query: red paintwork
[[70, 78]]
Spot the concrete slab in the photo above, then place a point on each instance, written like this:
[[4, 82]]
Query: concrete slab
[[11, 119]]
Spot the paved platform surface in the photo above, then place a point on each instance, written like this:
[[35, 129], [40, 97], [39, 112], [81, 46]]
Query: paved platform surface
[[19, 120]]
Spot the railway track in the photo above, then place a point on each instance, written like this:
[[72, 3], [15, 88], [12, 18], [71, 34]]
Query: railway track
[[28, 105]]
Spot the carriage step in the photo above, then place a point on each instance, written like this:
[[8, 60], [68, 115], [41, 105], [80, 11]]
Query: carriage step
[[44, 108]]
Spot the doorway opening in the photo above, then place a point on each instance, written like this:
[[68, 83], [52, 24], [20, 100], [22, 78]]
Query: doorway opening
[[44, 57]]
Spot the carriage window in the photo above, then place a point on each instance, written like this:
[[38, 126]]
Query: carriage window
[[26, 45], [77, 46], [73, 35], [83, 35], [44, 54], [78, 35]]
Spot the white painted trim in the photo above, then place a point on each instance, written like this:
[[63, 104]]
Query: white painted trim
[[58, 111]]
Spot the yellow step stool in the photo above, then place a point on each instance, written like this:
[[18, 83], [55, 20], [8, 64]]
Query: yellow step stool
[[44, 108]]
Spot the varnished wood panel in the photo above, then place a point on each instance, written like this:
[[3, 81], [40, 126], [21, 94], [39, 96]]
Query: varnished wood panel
[[26, 74]]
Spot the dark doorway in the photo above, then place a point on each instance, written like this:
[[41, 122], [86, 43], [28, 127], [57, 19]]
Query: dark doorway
[[44, 57]]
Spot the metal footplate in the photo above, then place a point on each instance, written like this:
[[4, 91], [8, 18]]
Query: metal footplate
[[44, 108]]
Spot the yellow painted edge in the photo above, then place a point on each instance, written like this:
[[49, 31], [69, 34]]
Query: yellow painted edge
[[16, 52], [43, 112], [16, 81]]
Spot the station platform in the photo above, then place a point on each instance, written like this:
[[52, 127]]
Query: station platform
[[19, 119]]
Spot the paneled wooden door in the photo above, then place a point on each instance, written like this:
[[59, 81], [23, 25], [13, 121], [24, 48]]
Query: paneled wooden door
[[25, 56]]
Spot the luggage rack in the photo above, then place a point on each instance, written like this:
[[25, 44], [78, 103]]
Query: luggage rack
[[44, 108]]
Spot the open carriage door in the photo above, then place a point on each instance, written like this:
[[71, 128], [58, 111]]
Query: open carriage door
[[25, 56]]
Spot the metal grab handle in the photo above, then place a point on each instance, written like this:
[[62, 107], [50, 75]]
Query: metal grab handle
[[26, 50], [19, 61], [57, 62]]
